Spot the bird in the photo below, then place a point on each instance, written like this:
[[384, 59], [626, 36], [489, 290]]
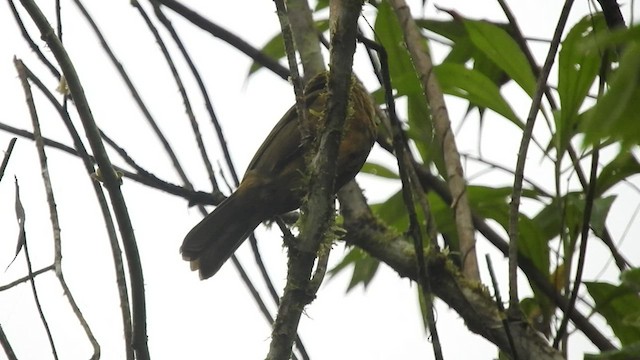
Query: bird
[[274, 182]]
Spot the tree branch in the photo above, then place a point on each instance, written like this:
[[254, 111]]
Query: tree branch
[[318, 211], [111, 180], [514, 212], [470, 301], [226, 36], [455, 176]]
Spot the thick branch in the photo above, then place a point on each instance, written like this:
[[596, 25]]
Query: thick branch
[[471, 302]]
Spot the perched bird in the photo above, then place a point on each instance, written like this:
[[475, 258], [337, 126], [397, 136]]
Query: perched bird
[[274, 182]]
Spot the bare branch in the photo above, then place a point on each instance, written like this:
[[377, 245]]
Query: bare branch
[[111, 180], [223, 34], [318, 211], [514, 212], [455, 176]]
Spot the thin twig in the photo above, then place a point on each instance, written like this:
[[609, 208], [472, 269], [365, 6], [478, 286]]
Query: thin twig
[[405, 167], [514, 302], [541, 281], [621, 262], [183, 93], [493, 165], [478, 310], [442, 125], [34, 47], [194, 197], [59, 20], [7, 156], [500, 306], [24, 279], [225, 35], [235, 261], [305, 35], [111, 180], [317, 218], [221, 138], [53, 212], [6, 345], [586, 217], [135, 94], [116, 251], [22, 238], [298, 90], [203, 90]]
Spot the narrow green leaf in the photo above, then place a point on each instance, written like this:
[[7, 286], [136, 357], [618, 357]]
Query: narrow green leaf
[[443, 215], [393, 212], [463, 49], [601, 207], [577, 70], [364, 267], [403, 75], [421, 130], [631, 351], [615, 303], [616, 113], [620, 168], [500, 47], [321, 4], [631, 278], [474, 86], [273, 48], [379, 170], [493, 203]]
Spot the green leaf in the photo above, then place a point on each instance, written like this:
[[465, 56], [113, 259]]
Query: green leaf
[[569, 215], [443, 215], [616, 113], [405, 81], [474, 86], [616, 303], [453, 30], [364, 267], [563, 216], [493, 203], [275, 47], [631, 351], [423, 308], [631, 278], [500, 47], [421, 130], [463, 50], [620, 168], [379, 170], [321, 4], [613, 39], [601, 207], [393, 212], [577, 70], [403, 75]]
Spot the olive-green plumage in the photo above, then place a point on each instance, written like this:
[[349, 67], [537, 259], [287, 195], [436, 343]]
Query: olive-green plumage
[[274, 183]]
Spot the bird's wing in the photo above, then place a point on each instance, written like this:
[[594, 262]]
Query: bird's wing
[[271, 156]]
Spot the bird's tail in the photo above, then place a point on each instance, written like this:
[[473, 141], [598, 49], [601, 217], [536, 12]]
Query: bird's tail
[[212, 242]]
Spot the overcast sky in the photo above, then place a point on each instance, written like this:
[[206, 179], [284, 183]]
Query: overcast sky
[[217, 318]]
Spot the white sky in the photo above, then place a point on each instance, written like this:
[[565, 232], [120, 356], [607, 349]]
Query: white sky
[[217, 318]]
